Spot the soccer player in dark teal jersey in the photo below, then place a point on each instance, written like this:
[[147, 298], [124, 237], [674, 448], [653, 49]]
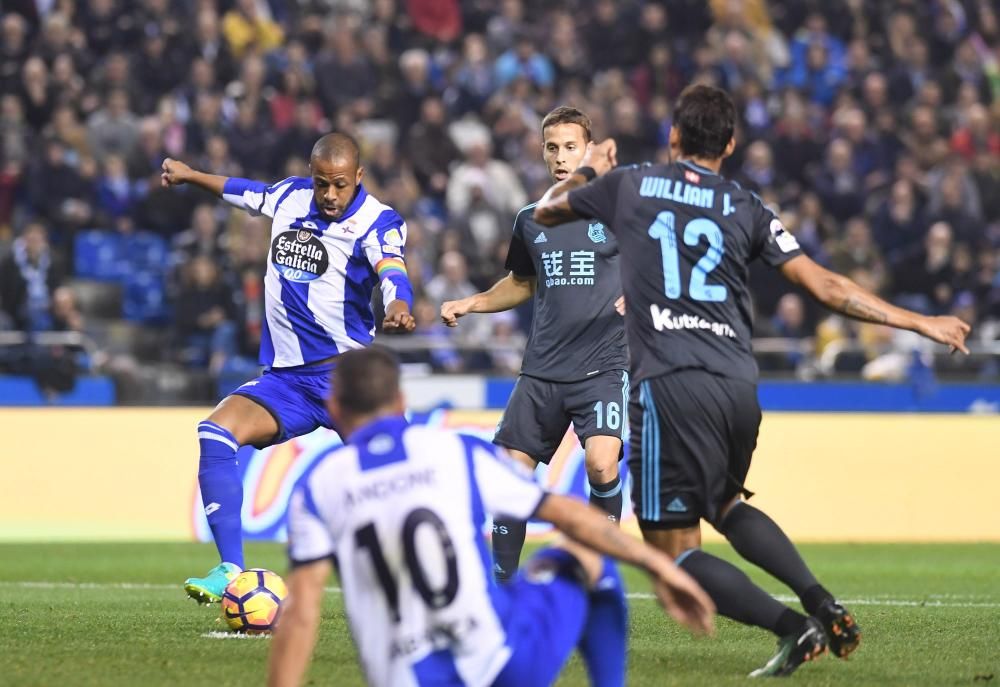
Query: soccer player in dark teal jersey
[[687, 237], [575, 369]]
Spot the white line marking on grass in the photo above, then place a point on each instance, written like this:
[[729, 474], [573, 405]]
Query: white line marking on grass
[[932, 601], [232, 635], [89, 585], [915, 603]]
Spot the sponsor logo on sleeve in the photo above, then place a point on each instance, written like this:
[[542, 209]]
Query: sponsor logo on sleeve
[[786, 242]]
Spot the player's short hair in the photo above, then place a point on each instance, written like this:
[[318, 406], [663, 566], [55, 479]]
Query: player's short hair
[[705, 118], [366, 379], [336, 146], [568, 115]]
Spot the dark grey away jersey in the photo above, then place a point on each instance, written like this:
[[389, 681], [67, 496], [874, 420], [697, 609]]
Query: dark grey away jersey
[[687, 237], [576, 331]]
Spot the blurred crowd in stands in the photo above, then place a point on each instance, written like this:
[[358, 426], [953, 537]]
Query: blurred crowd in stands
[[872, 126]]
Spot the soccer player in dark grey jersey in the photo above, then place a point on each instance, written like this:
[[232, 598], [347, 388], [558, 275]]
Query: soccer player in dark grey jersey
[[686, 237], [575, 366]]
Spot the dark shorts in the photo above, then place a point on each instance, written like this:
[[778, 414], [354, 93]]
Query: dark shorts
[[296, 398], [539, 412], [692, 436]]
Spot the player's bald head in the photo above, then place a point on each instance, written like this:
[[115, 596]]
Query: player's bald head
[[336, 148]]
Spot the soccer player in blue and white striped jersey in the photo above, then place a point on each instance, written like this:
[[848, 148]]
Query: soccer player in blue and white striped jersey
[[400, 512], [331, 243]]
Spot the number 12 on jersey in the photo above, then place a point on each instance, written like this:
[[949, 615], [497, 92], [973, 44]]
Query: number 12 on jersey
[[662, 229]]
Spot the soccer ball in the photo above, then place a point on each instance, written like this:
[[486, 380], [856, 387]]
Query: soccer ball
[[252, 601]]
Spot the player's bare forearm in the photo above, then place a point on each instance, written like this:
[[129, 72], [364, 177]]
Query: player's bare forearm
[[176, 173], [554, 207], [590, 527], [679, 594], [213, 183], [295, 635], [507, 293], [842, 295]]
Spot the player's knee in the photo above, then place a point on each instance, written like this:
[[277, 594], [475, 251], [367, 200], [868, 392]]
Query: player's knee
[[602, 474], [602, 460], [216, 443]]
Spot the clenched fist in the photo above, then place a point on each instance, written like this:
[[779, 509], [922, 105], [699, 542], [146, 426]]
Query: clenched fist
[[174, 173]]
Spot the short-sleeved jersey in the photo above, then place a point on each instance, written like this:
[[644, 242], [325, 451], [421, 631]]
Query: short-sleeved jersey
[[320, 274], [686, 237], [576, 332], [401, 510]]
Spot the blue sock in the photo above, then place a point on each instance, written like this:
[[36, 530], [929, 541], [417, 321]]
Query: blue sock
[[604, 636], [221, 490]]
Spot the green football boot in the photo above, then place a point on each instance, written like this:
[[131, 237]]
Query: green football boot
[[209, 589], [794, 650]]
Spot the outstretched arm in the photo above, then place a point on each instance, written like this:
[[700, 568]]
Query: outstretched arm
[[255, 197], [842, 295], [176, 173], [507, 293], [295, 635], [554, 207], [679, 594]]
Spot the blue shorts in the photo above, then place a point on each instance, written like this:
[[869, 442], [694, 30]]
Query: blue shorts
[[295, 398], [547, 607]]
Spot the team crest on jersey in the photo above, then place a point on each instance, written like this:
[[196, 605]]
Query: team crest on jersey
[[596, 232], [299, 255], [692, 177]]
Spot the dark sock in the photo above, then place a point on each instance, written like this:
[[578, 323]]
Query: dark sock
[[758, 539], [608, 497], [508, 540], [736, 597], [604, 636], [814, 597]]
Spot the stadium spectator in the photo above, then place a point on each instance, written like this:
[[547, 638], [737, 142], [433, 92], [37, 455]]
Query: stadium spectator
[[247, 26], [924, 279], [203, 239], [113, 128], [494, 178], [203, 316], [451, 282], [430, 149], [879, 112], [117, 194], [28, 278], [857, 251], [13, 50]]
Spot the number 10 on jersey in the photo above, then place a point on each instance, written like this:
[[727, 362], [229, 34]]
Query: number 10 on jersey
[[662, 229]]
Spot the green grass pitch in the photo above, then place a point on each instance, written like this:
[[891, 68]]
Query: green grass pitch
[[115, 614]]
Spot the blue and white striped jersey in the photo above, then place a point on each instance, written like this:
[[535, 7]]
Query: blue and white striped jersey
[[320, 274], [402, 510]]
